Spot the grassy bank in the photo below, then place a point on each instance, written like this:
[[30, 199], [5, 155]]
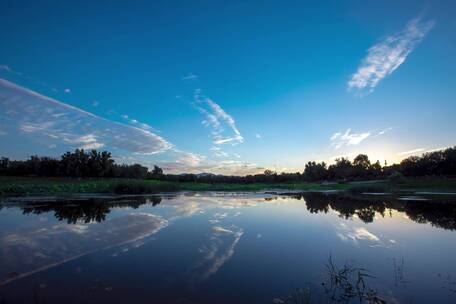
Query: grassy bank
[[36, 185]]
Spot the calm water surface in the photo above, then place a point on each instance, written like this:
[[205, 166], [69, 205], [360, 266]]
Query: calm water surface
[[225, 248]]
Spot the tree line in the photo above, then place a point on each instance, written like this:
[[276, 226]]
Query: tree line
[[437, 163], [79, 164], [84, 164]]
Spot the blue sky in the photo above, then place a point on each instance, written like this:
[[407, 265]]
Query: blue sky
[[225, 86]]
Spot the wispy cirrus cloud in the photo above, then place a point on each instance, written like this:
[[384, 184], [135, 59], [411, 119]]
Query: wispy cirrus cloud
[[138, 124], [29, 117], [384, 57], [190, 76], [87, 142], [217, 151], [384, 131], [409, 152], [218, 120], [48, 121], [436, 149], [4, 67], [7, 68], [348, 138]]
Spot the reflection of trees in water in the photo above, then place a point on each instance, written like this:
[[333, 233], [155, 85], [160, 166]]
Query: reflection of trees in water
[[346, 207], [91, 210], [438, 214], [442, 215]]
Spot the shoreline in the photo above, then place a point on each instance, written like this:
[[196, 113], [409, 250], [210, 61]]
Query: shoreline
[[42, 186]]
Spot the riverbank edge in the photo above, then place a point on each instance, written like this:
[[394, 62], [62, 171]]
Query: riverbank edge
[[25, 186]]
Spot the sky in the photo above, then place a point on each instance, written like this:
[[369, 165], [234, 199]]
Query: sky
[[228, 87]]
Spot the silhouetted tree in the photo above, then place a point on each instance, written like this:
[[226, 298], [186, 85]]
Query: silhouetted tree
[[342, 169], [315, 171], [82, 164], [156, 173]]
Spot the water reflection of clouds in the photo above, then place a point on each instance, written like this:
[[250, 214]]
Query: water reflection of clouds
[[218, 217], [30, 250], [222, 239], [195, 204], [34, 249], [217, 250], [355, 234]]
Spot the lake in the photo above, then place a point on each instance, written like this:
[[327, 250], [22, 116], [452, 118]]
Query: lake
[[228, 248]]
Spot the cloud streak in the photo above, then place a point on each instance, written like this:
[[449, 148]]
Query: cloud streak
[[40, 121], [48, 121], [218, 120], [414, 151], [139, 124], [384, 131], [384, 57], [190, 76], [340, 139]]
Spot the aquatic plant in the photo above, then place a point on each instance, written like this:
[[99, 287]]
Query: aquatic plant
[[347, 283]]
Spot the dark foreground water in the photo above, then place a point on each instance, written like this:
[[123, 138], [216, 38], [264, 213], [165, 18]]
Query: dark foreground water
[[227, 248]]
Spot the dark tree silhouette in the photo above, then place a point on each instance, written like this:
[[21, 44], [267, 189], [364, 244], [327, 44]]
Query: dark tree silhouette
[[82, 164]]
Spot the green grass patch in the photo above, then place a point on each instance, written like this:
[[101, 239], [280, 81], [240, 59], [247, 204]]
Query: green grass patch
[[37, 185], [142, 187], [429, 183]]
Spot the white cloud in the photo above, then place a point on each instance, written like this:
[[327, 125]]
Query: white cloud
[[44, 119], [190, 76], [339, 140], [88, 142], [138, 124], [95, 103], [5, 68], [258, 136], [67, 90], [189, 159], [387, 55], [385, 131], [8, 69], [27, 116], [436, 149], [218, 120], [218, 152], [414, 151], [225, 167]]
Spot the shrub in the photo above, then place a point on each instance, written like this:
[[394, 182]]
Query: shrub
[[396, 178]]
